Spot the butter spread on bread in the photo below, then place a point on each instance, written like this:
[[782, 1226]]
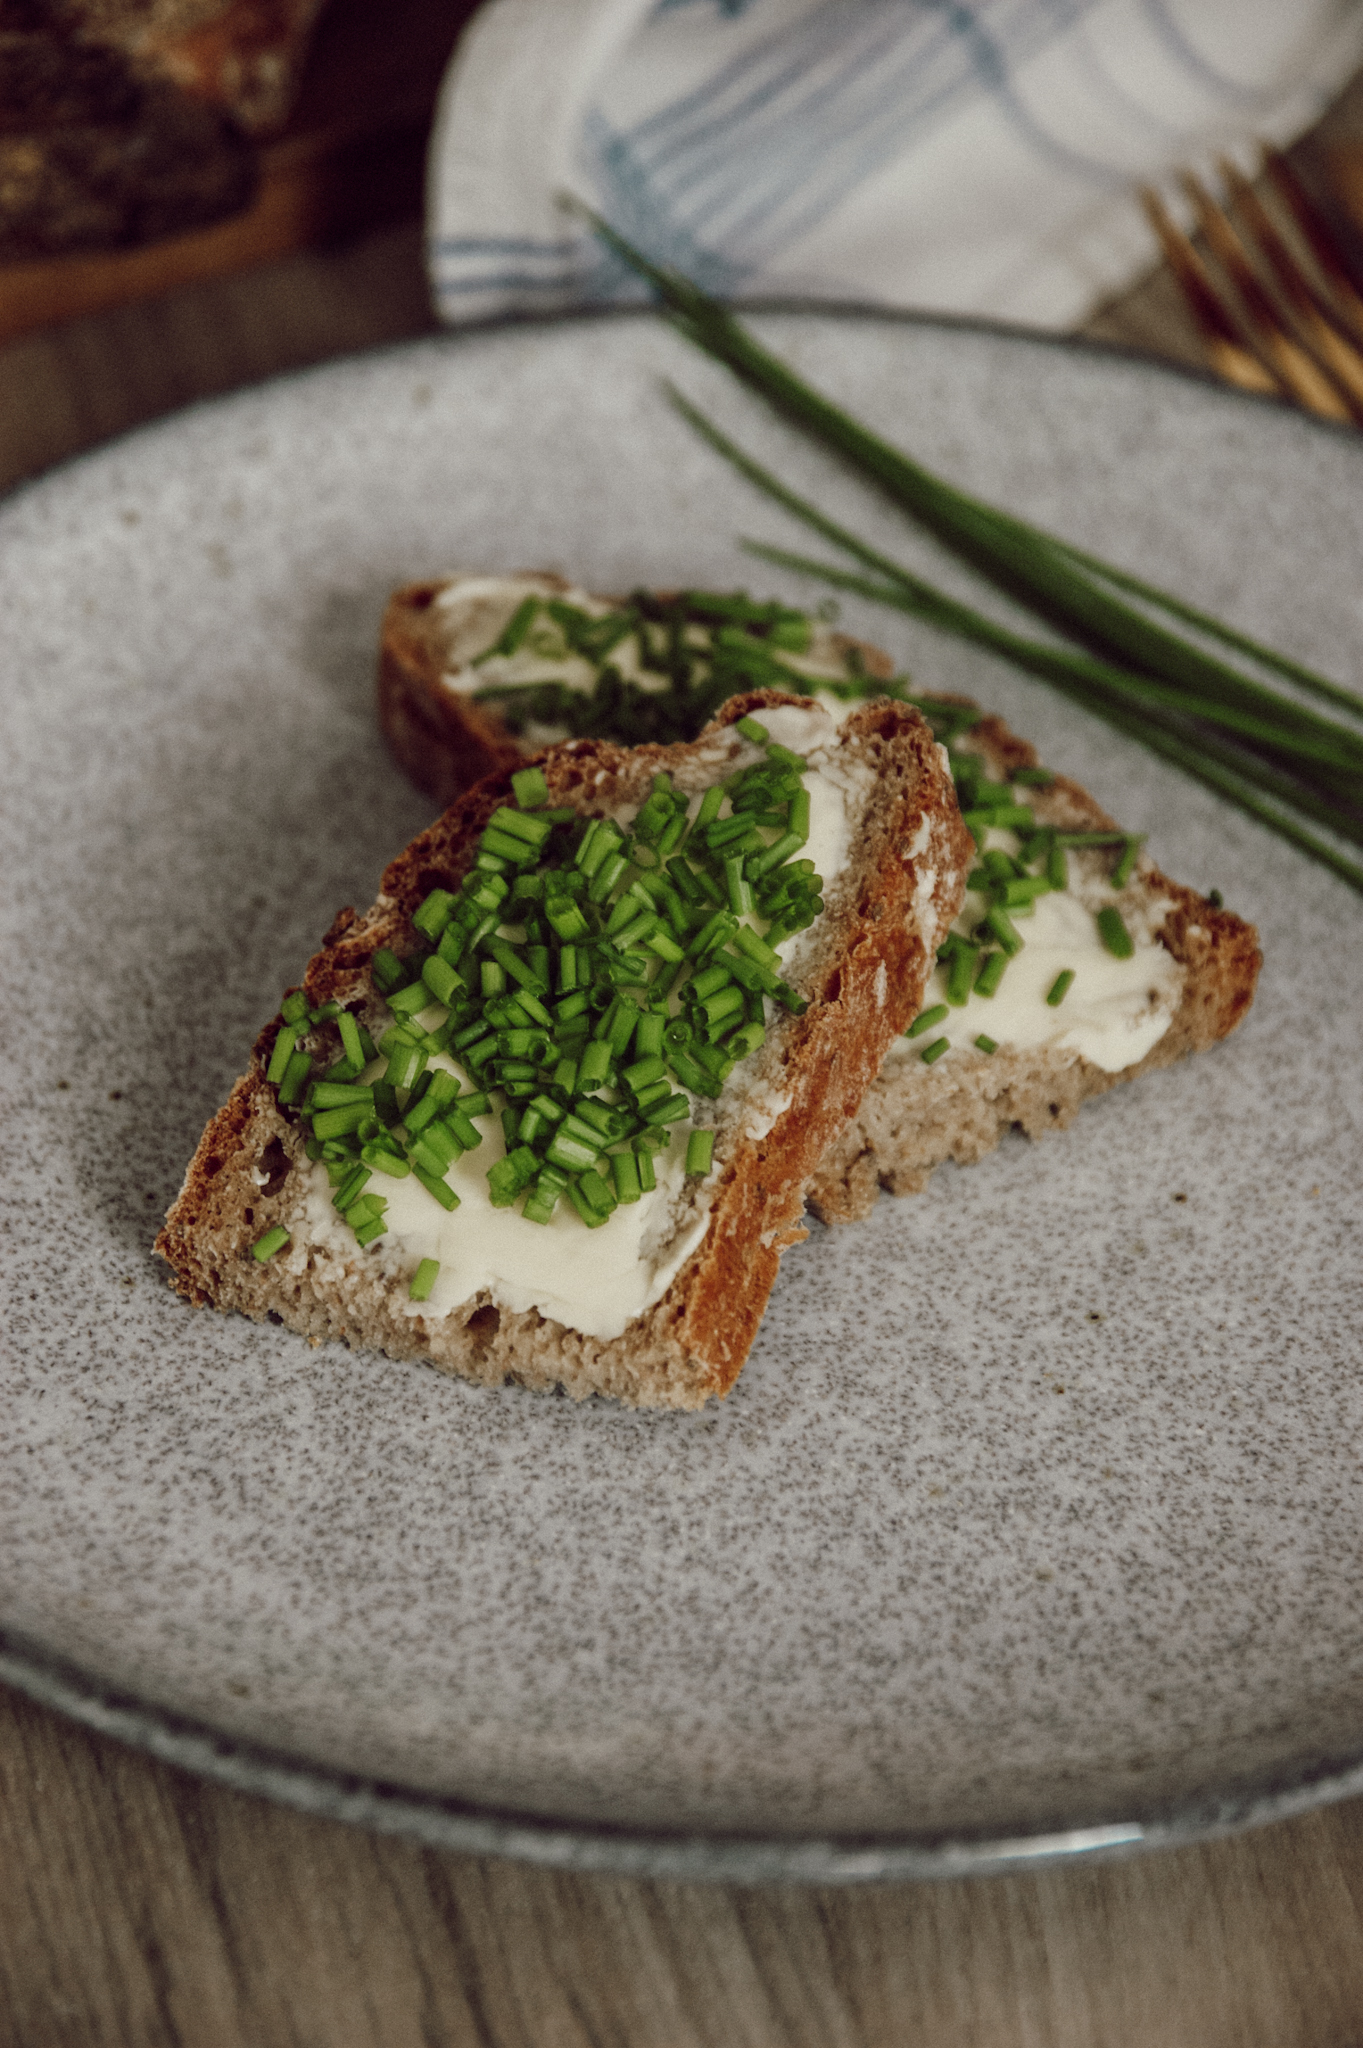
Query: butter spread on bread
[[246, 1231]]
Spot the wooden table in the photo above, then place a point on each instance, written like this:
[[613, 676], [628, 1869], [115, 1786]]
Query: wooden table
[[140, 1905]]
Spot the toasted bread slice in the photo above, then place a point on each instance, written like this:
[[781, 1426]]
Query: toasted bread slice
[[1188, 982], [431, 668], [710, 1253]]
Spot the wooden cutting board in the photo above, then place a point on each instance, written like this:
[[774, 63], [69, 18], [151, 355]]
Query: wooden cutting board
[[351, 159]]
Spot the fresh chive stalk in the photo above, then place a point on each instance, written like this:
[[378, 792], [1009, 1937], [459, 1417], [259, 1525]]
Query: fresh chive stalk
[[1271, 755]]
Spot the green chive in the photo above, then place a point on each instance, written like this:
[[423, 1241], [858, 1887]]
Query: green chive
[[1154, 684], [272, 1242], [295, 1077], [925, 1019], [424, 1279], [532, 791], [436, 1185], [935, 1051], [351, 1042], [959, 976], [1003, 928], [1114, 934], [701, 1144], [1060, 988], [987, 1044], [991, 974], [285, 1040]]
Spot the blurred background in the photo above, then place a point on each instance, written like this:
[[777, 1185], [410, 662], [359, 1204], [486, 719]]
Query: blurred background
[[195, 194]]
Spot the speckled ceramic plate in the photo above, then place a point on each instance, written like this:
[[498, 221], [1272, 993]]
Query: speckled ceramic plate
[[1032, 1524]]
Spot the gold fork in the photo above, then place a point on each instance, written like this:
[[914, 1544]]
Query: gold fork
[[1274, 317]]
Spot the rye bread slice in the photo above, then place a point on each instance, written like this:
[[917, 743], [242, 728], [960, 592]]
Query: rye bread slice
[[914, 1116], [441, 738], [863, 967]]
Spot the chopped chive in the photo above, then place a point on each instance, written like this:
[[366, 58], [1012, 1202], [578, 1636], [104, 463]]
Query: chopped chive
[[1121, 874], [959, 976], [700, 1148], [986, 1044], [925, 1020], [1060, 988], [990, 974], [341, 1095], [407, 1002], [709, 810], [1003, 928], [595, 1192], [935, 1051], [433, 913], [442, 980], [273, 1241], [384, 1159], [423, 1280], [1114, 934], [532, 791], [751, 730], [351, 1042], [285, 1040], [435, 1184], [351, 1188], [295, 1077]]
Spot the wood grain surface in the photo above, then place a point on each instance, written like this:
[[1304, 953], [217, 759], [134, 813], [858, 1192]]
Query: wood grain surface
[[141, 1906]]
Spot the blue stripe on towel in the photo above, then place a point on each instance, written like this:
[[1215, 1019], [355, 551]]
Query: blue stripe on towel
[[776, 140]]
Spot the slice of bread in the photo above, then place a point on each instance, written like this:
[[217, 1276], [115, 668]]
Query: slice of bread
[[445, 739], [714, 1247], [1189, 981]]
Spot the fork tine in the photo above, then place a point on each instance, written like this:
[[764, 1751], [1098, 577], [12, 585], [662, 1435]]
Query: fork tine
[[1225, 346], [1312, 311], [1317, 235], [1307, 383]]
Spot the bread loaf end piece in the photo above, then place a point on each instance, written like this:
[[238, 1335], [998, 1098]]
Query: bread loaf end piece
[[862, 972]]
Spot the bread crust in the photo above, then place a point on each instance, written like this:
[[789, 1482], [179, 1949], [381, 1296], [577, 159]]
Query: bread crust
[[440, 738], [913, 1117], [864, 980]]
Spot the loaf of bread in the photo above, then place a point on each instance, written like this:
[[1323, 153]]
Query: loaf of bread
[[672, 1326], [1188, 980], [124, 121]]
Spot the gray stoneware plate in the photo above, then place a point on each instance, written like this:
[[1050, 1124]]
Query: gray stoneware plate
[[1033, 1523]]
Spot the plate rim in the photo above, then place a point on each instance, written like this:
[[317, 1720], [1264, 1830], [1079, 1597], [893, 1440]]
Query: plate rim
[[445, 1822], [441, 1821]]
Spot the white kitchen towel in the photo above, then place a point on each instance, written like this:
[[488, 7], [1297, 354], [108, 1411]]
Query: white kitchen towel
[[968, 156]]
